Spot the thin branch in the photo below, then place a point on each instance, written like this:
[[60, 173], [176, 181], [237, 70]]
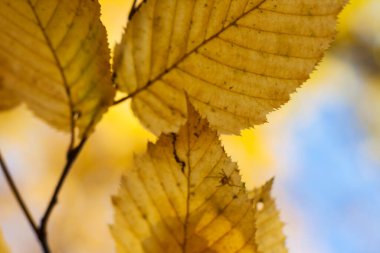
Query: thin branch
[[40, 231], [71, 157], [17, 195], [134, 9]]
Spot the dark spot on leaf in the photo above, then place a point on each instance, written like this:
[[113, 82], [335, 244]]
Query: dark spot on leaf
[[176, 157]]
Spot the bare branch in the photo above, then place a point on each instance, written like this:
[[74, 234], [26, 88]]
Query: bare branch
[[17, 195], [134, 9], [71, 158]]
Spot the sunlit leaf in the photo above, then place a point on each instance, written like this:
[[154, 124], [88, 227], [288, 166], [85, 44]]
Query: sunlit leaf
[[8, 99], [237, 59], [185, 195], [269, 233], [3, 246], [55, 55]]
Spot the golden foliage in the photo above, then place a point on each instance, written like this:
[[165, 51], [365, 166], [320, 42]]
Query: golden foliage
[[186, 195], [54, 55], [237, 59], [3, 247]]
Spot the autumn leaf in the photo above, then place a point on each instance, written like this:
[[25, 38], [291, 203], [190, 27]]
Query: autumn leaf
[[3, 247], [186, 195], [8, 99], [54, 55], [268, 223], [237, 59]]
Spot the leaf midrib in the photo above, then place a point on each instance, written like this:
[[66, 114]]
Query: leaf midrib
[[185, 56], [185, 225], [60, 69]]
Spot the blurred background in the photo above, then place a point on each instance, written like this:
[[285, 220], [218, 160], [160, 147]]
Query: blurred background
[[323, 147]]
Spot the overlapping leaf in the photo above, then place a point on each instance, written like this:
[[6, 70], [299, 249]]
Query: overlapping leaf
[[8, 99], [185, 195], [269, 225], [54, 55], [237, 59]]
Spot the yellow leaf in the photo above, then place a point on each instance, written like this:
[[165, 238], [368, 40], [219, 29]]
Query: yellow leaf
[[54, 55], [8, 99], [184, 195], [3, 247], [269, 235], [237, 59]]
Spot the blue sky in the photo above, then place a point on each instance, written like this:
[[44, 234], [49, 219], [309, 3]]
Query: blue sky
[[336, 185]]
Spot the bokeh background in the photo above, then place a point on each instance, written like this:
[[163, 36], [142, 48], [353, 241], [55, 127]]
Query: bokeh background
[[323, 147]]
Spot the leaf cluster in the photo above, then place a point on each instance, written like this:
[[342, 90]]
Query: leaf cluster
[[193, 69]]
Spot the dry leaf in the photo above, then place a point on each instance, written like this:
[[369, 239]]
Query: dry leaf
[[54, 55], [185, 195], [237, 59], [269, 226], [3, 246], [8, 99]]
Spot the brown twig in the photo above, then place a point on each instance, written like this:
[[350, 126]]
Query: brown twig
[[17, 194], [41, 230], [71, 157], [72, 154], [134, 9]]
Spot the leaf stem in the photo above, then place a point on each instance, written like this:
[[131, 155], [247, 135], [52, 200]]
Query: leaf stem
[[116, 102], [131, 95], [17, 194]]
